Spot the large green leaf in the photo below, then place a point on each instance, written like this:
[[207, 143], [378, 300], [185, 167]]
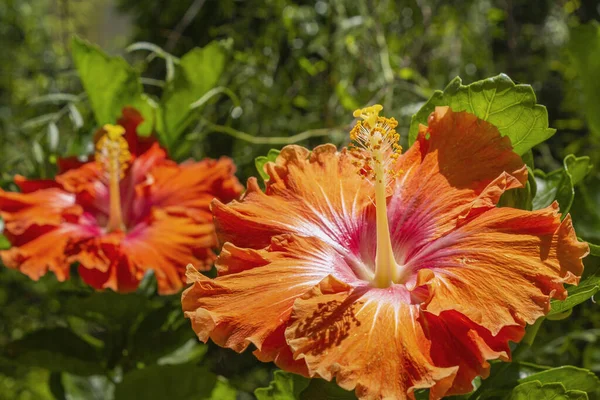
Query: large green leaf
[[503, 378], [584, 48], [173, 382], [572, 378], [109, 307], [577, 295], [550, 391], [198, 71], [284, 386], [111, 84], [511, 108], [161, 332], [56, 349], [559, 185]]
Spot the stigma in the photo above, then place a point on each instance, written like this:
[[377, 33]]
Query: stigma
[[375, 145], [113, 156]]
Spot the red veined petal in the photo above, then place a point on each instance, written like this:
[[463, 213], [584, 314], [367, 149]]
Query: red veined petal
[[458, 341], [502, 267], [368, 339], [458, 168]]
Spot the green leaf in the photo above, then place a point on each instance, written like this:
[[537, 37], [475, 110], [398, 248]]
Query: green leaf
[[559, 185], [584, 47], [4, 243], [572, 378], [284, 386], [173, 382], [550, 391], [322, 389], [56, 349], [109, 307], [288, 386], [198, 71], [95, 387], [111, 84], [577, 167], [594, 249], [223, 391], [260, 162], [161, 332], [503, 378], [577, 295], [511, 108]]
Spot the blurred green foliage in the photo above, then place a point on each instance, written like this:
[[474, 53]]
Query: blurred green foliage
[[261, 74]]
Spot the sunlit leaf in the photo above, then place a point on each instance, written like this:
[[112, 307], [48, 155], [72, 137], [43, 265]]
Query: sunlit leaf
[[549, 391], [111, 84], [572, 378], [284, 386], [198, 71], [577, 295], [511, 108]]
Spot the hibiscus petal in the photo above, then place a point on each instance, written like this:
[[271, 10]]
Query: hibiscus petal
[[194, 184], [253, 304], [166, 243], [502, 268], [42, 248], [458, 341], [317, 195], [439, 187], [28, 186], [103, 265], [41, 207], [367, 339]]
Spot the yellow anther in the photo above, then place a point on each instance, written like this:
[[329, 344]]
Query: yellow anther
[[112, 150], [114, 132], [369, 114]]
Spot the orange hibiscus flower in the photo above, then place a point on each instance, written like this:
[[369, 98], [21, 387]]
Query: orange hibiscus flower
[[129, 211], [387, 272]]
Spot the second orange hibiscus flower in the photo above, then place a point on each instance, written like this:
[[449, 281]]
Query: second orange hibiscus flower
[[130, 211]]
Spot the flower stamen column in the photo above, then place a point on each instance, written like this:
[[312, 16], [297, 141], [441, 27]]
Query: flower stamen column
[[112, 152], [376, 143]]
